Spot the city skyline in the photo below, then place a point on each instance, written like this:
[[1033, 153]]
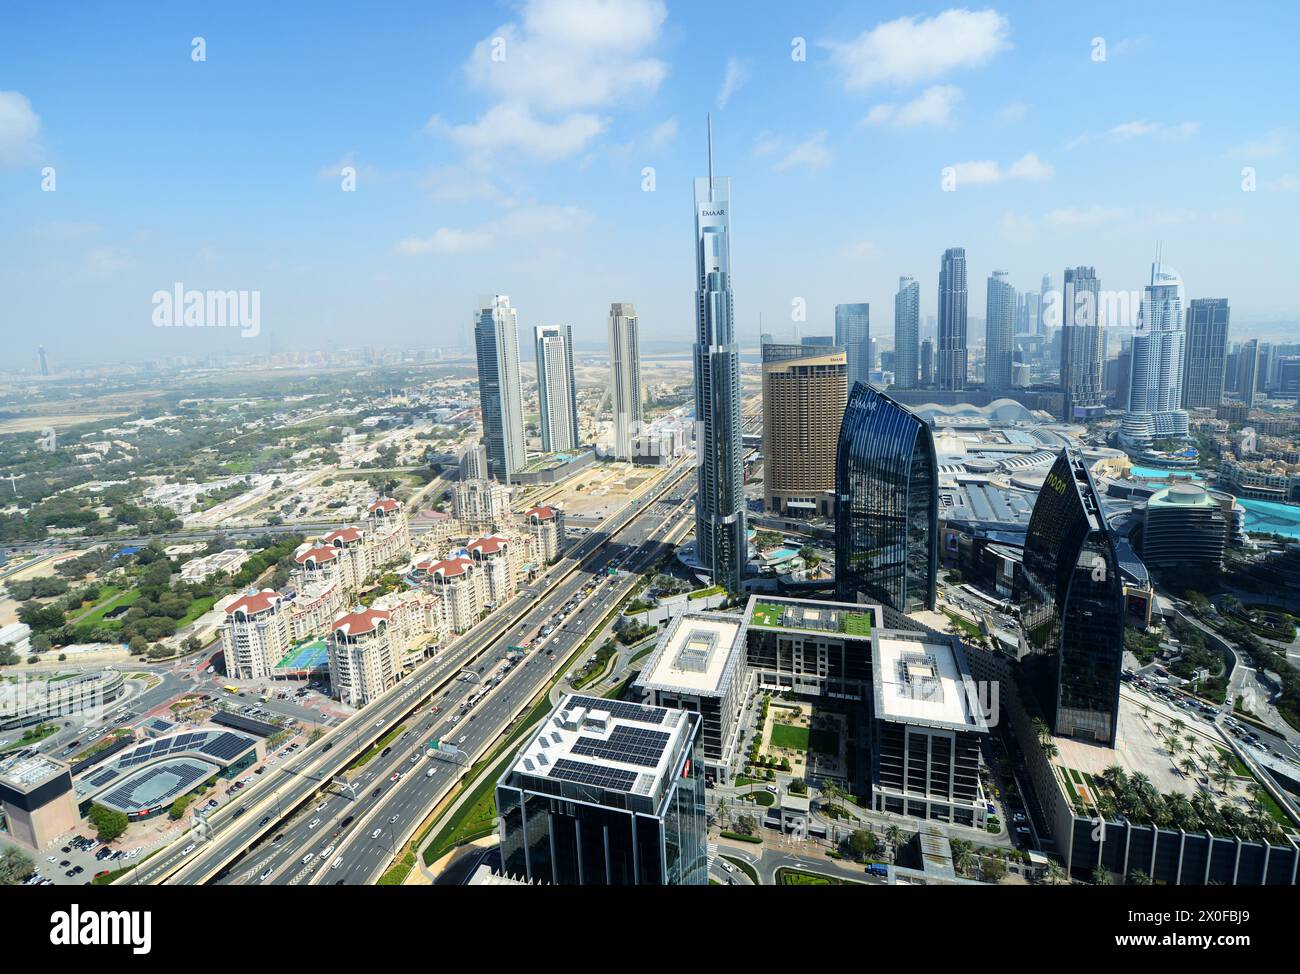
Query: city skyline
[[451, 193]]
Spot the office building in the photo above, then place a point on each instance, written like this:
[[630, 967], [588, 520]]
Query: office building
[[496, 341], [698, 664], [720, 540], [853, 334], [255, 635], [886, 505], [607, 793], [1083, 346], [999, 327], [810, 647], [927, 363], [1185, 527], [363, 660], [1072, 606], [928, 728], [625, 377], [557, 392], [1205, 358], [804, 394], [1027, 313], [907, 332], [951, 352], [36, 798], [1155, 412]]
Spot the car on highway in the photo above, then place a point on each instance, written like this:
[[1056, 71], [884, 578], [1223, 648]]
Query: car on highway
[[396, 776], [392, 819], [308, 858], [336, 863], [264, 821], [188, 849], [313, 823], [265, 873], [376, 833], [325, 853], [431, 772], [462, 739], [415, 758]]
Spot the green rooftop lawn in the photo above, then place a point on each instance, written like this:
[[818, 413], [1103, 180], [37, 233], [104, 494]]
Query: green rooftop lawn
[[767, 614], [857, 623]]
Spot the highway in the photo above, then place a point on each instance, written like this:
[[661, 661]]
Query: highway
[[282, 790]]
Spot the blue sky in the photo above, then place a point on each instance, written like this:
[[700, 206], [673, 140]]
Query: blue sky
[[524, 175]]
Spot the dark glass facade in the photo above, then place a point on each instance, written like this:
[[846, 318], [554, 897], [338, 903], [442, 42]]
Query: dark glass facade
[[1072, 605], [887, 505], [570, 834]]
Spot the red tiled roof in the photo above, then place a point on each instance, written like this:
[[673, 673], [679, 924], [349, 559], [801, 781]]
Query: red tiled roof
[[343, 534], [384, 504], [254, 602], [319, 553], [450, 568], [360, 623], [542, 513], [488, 546]]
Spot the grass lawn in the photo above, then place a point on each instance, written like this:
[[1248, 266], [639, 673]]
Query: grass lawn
[[767, 614], [796, 877], [857, 624], [196, 609], [378, 747], [764, 797], [787, 735], [96, 618]]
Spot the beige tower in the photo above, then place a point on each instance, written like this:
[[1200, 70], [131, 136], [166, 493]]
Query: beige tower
[[805, 390]]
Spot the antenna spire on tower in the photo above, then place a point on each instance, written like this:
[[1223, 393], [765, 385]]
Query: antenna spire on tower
[[708, 121]]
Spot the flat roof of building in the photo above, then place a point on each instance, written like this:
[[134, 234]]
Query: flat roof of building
[[696, 654], [922, 679], [608, 744], [809, 615], [24, 771]]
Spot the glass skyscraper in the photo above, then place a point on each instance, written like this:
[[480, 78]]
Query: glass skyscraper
[[853, 334], [951, 353], [557, 394], [1155, 393], [907, 332], [624, 376], [886, 504], [1072, 605], [1205, 357], [720, 539], [496, 341], [1083, 346], [999, 325]]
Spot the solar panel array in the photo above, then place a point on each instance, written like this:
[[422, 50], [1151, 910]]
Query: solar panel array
[[583, 773], [123, 796], [629, 745], [622, 710], [223, 746]]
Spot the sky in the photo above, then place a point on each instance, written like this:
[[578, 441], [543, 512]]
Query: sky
[[545, 149]]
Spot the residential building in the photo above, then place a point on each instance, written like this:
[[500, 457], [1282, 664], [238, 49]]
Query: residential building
[[853, 334], [546, 533], [255, 635], [625, 376], [456, 581], [480, 505], [907, 332], [361, 657], [1205, 357], [999, 329], [1155, 412], [557, 393], [501, 562]]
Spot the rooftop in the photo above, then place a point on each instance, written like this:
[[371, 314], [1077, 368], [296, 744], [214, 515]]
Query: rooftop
[[26, 771], [696, 653], [922, 679], [254, 602], [610, 745], [811, 616]]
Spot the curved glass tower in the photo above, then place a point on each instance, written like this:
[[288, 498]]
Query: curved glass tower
[[886, 505], [1072, 605], [1155, 396]]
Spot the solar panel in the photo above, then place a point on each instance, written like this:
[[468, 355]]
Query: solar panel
[[630, 745], [623, 710], [615, 779]]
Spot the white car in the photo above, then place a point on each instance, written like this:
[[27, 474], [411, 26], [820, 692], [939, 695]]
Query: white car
[[376, 833], [188, 849], [313, 823], [308, 858], [336, 863], [325, 853], [321, 806], [265, 872]]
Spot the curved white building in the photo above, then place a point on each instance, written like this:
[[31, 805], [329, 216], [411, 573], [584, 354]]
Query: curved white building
[[1155, 404]]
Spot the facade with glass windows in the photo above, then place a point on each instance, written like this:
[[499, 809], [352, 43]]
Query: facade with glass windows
[[607, 793], [886, 508], [1072, 606]]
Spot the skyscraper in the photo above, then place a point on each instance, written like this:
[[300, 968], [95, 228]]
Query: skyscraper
[[1205, 358], [624, 376], [720, 538], [496, 340], [853, 334], [804, 394], [557, 393], [1027, 313], [1156, 391], [951, 366], [1072, 605], [1043, 291], [886, 504], [1083, 346], [45, 364], [927, 363], [907, 332], [1248, 371], [999, 326]]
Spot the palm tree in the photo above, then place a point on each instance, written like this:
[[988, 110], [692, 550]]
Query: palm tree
[[895, 836], [721, 808], [1100, 877], [1139, 877], [1050, 750], [1188, 767], [963, 855], [1174, 744], [1055, 873], [1178, 724], [830, 793], [1223, 775]]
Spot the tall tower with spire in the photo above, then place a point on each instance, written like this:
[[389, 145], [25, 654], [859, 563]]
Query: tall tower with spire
[[720, 537]]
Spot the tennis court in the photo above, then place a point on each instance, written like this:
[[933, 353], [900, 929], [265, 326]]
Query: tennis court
[[308, 657]]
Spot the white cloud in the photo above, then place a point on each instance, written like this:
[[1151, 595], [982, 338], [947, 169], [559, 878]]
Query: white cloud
[[513, 126], [525, 221], [1013, 112], [735, 78], [572, 54], [20, 130], [1028, 167], [1131, 130], [664, 132], [933, 106], [1268, 146], [766, 144], [811, 153], [461, 183], [1127, 131], [910, 50]]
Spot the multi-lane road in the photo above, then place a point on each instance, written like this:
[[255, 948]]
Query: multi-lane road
[[297, 783]]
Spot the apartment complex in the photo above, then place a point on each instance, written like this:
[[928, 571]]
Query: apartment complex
[[255, 635], [805, 389]]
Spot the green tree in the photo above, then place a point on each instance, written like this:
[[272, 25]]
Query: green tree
[[109, 824], [15, 866], [862, 844]]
